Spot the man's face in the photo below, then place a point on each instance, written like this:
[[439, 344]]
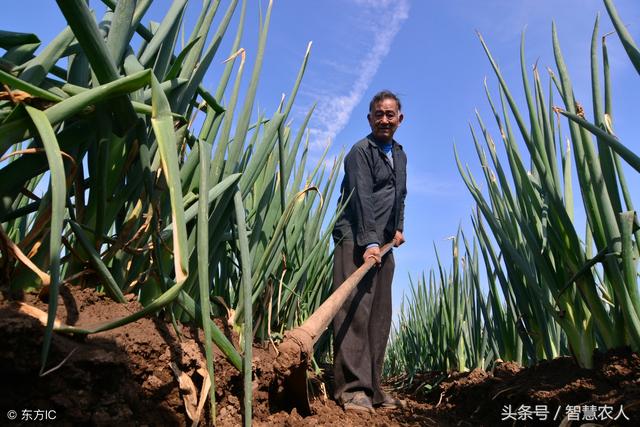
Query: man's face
[[384, 119]]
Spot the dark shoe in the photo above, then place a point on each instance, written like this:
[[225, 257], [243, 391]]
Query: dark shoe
[[360, 402], [391, 402]]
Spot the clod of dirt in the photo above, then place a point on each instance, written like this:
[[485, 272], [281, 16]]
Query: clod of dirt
[[505, 369]]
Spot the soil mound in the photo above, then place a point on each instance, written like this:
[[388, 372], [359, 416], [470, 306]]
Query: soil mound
[[547, 393], [128, 375], [146, 373]]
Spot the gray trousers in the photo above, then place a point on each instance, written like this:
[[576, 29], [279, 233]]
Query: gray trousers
[[361, 327]]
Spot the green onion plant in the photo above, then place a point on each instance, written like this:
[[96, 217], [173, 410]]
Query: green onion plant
[[155, 185]]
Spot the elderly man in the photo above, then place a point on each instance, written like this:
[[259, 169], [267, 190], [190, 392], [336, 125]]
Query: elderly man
[[374, 187]]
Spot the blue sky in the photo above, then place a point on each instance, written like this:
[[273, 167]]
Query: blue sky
[[428, 52]]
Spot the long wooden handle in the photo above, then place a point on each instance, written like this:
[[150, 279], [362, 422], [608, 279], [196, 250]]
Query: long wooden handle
[[320, 319]]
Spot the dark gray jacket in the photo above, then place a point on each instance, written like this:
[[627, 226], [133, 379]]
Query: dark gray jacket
[[376, 207]]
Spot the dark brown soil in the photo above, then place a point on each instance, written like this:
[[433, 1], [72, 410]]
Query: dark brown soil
[[558, 388], [124, 377]]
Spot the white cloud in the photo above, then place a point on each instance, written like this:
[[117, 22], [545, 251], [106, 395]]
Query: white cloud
[[334, 110]]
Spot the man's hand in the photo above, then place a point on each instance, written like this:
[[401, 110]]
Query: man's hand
[[398, 239], [372, 252]]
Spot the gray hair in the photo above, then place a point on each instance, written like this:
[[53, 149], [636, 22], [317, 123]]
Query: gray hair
[[384, 94]]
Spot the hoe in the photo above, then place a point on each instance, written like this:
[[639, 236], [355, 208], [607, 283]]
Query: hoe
[[295, 351]]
